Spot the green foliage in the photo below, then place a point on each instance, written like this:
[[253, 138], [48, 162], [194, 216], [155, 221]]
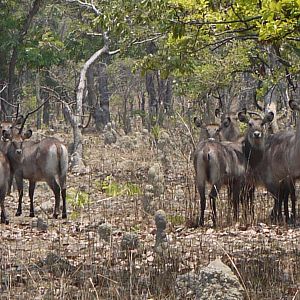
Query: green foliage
[[114, 189], [156, 132], [78, 200], [176, 220]]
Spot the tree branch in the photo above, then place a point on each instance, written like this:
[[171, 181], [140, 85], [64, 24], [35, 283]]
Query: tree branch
[[87, 5]]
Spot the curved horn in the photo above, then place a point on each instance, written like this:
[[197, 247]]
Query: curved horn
[[30, 113]]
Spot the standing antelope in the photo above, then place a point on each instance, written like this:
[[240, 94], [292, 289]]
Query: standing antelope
[[273, 161], [45, 160], [219, 163], [4, 182]]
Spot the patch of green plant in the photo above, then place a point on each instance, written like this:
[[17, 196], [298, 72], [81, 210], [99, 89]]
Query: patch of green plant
[[132, 189], [156, 132], [78, 200], [176, 220], [136, 228], [138, 112], [113, 189]]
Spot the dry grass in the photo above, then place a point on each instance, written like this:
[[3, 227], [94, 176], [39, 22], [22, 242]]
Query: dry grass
[[87, 267]]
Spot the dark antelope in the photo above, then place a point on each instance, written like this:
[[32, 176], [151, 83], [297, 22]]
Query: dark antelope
[[218, 164], [271, 161]]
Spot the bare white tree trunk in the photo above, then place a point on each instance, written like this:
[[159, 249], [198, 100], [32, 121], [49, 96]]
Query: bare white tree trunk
[[75, 119]]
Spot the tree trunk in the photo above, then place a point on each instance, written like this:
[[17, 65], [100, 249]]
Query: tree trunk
[[104, 111], [92, 97], [270, 98], [153, 103], [38, 99], [46, 113], [15, 51]]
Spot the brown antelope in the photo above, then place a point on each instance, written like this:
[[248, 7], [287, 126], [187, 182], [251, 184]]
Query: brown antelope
[[229, 127], [271, 161], [226, 129], [5, 127], [45, 160], [4, 182], [218, 164]]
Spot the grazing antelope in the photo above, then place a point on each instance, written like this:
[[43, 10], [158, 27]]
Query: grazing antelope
[[273, 161]]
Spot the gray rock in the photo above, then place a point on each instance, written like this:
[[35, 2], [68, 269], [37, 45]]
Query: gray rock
[[40, 224], [216, 281], [161, 241], [105, 231], [130, 241]]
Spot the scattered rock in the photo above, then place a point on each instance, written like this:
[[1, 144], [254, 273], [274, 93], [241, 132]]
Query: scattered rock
[[130, 241], [40, 224], [161, 242], [110, 135], [57, 265], [105, 231], [216, 281]]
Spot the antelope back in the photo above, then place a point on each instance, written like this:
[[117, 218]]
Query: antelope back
[[45, 159]]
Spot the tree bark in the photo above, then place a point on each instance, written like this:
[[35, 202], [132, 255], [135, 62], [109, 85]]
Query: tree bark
[[15, 51], [75, 119], [38, 99], [270, 97], [104, 112], [153, 103]]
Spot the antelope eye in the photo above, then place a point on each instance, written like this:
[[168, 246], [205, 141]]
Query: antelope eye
[[250, 124]]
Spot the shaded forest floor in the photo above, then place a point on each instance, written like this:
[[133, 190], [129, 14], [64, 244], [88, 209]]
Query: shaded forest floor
[[68, 259]]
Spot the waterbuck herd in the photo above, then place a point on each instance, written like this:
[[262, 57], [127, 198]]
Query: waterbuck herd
[[244, 162], [223, 157]]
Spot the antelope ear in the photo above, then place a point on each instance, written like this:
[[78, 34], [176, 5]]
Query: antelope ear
[[27, 134], [227, 122], [268, 118], [217, 113], [243, 117], [294, 105], [6, 134], [19, 121], [198, 122]]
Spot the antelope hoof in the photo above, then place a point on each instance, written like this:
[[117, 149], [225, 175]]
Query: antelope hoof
[[64, 215], [31, 215], [18, 213], [55, 216]]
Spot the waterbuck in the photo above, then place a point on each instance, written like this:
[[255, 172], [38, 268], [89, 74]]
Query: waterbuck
[[225, 129], [218, 164], [271, 161], [4, 182], [45, 160]]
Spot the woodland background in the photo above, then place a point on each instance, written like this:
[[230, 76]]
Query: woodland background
[[147, 67]]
